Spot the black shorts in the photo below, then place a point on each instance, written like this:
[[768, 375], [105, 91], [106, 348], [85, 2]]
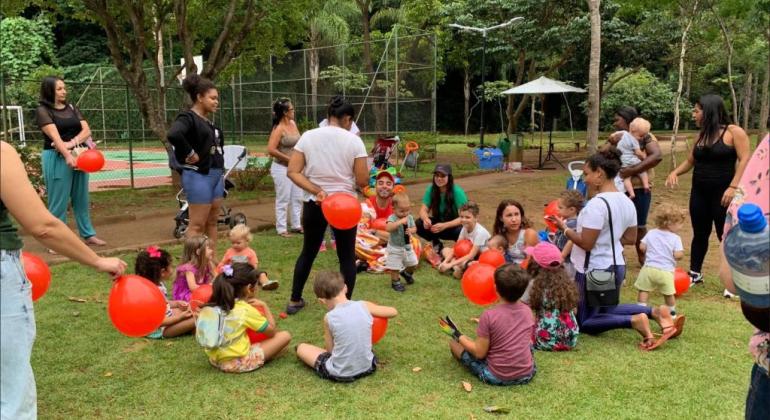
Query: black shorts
[[320, 369]]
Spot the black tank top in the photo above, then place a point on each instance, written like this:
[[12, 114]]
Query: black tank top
[[715, 162]]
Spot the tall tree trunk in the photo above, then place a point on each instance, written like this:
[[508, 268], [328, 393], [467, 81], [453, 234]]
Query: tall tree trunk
[[467, 96], [377, 105], [747, 100], [729, 45], [314, 72], [687, 94], [680, 77], [764, 111], [593, 75]]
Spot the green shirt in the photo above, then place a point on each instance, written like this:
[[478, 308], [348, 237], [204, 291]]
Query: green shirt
[[460, 199], [9, 239], [399, 237]]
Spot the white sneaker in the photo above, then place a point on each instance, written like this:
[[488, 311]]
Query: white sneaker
[[727, 294]]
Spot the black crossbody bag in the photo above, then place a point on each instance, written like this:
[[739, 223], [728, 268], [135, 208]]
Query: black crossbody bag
[[601, 289]]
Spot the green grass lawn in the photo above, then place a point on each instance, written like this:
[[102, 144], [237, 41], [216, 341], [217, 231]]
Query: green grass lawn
[[86, 369]]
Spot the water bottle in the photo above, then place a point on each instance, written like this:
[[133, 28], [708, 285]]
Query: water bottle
[[747, 249]]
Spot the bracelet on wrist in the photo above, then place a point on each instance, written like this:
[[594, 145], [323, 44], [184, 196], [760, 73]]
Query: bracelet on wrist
[[733, 187]]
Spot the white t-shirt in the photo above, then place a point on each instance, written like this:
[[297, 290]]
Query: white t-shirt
[[594, 216], [479, 236], [353, 128], [661, 245], [329, 155]]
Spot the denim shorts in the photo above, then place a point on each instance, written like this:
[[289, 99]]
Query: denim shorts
[[203, 189], [480, 369], [18, 335]]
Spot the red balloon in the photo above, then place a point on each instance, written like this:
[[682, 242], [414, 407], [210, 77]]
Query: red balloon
[[379, 224], [478, 284], [37, 272], [462, 248], [379, 327], [681, 281], [551, 209], [341, 210], [492, 257], [398, 189], [136, 306], [91, 160], [256, 337], [200, 296]]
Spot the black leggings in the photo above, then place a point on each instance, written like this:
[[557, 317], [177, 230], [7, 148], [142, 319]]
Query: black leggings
[[450, 234], [705, 209], [314, 224]]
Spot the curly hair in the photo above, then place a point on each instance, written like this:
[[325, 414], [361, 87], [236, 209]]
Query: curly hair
[[668, 214], [572, 198], [150, 267], [554, 285], [499, 226]]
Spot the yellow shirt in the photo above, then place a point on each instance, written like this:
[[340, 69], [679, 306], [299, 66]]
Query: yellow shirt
[[241, 317]]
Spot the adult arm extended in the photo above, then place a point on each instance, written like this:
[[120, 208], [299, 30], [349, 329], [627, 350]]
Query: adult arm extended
[[25, 206], [654, 157]]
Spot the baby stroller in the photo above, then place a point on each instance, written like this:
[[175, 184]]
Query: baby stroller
[[381, 151], [234, 159], [575, 181]]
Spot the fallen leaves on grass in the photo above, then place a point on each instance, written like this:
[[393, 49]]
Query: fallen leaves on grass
[[416, 369], [75, 313], [136, 346], [467, 386], [474, 320], [497, 410], [76, 299], [107, 374]]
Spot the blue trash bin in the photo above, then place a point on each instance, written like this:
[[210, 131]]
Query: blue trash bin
[[490, 158]]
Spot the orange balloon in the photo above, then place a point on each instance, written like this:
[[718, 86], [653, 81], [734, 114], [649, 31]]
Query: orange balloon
[[551, 209], [256, 337], [681, 281], [398, 189], [379, 223], [136, 306], [38, 274], [478, 284], [91, 160], [200, 296], [379, 327], [341, 210], [462, 248], [492, 257]]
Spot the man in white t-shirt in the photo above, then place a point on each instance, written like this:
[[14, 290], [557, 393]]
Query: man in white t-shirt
[[327, 160]]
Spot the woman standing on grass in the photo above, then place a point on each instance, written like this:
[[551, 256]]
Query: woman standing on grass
[[19, 199], [64, 129], [199, 147], [280, 146], [718, 160]]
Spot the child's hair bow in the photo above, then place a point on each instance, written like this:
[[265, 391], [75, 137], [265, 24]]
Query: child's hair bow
[[153, 251]]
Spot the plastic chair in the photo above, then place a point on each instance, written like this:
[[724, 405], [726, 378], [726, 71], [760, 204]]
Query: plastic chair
[[411, 148]]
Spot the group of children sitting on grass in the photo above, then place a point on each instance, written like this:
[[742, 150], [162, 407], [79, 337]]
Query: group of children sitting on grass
[[537, 309]]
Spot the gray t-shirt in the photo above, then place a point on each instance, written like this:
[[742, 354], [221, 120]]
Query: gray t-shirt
[[350, 325]]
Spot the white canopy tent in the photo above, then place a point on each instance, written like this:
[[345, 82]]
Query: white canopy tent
[[545, 86]]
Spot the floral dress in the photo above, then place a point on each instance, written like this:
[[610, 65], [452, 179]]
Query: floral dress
[[555, 330]]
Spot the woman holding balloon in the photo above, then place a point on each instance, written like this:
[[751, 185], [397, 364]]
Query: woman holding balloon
[[319, 172], [64, 131], [19, 199]]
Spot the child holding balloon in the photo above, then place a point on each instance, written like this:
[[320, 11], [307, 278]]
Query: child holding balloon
[[196, 267], [554, 299], [154, 264], [501, 354], [240, 237], [347, 354], [234, 294], [471, 231], [401, 259]]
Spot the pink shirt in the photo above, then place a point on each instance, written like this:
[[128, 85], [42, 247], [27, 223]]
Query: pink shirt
[[247, 255], [509, 329], [181, 291]]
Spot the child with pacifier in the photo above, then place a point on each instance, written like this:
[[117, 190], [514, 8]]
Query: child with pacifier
[[554, 299], [472, 231], [401, 259], [240, 252], [232, 309], [196, 267], [154, 264]]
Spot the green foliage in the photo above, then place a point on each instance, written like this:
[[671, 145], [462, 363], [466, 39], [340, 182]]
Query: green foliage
[[493, 91], [26, 44], [253, 176], [345, 78], [83, 50], [30, 156], [26, 92]]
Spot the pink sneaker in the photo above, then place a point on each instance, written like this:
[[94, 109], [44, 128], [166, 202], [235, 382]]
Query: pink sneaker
[[323, 247], [334, 244]]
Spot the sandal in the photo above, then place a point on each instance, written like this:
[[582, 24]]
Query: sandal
[[646, 343], [668, 332], [270, 285], [285, 235], [297, 230], [679, 325]]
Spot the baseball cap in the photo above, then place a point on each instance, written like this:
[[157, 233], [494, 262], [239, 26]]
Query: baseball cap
[[383, 173], [545, 254], [443, 168]]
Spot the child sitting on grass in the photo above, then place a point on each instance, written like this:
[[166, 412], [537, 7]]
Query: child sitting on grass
[[554, 299], [662, 247], [234, 295], [501, 354], [154, 264], [570, 204], [196, 267], [347, 353], [401, 259], [240, 252], [472, 231]]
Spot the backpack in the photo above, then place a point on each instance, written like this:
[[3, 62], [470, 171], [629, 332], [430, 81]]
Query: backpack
[[210, 328]]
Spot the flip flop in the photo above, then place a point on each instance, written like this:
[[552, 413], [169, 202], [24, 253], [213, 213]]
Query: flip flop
[[285, 235], [646, 343], [668, 332], [679, 325]]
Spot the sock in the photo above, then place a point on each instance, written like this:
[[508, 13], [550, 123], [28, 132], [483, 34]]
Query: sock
[[672, 309]]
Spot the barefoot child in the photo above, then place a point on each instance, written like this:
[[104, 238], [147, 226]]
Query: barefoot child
[[570, 204], [154, 264], [474, 232], [240, 252], [196, 267], [234, 300], [554, 299], [501, 354], [631, 152], [662, 248], [347, 353], [401, 259]]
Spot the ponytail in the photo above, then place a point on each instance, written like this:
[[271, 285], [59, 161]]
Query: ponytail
[[229, 285], [280, 109]]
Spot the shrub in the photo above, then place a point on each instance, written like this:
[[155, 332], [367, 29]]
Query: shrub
[[253, 176]]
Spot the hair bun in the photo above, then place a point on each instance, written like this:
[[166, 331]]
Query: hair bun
[[191, 82]]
